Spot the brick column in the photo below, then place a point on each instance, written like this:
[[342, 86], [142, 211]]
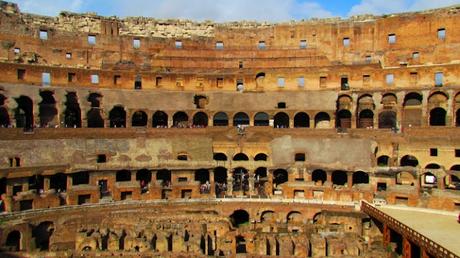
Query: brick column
[[349, 179], [407, 248]]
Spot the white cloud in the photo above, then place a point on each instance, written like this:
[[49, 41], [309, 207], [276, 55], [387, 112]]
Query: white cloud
[[396, 6]]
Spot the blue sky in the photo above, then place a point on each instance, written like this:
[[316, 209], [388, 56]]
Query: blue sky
[[231, 10]]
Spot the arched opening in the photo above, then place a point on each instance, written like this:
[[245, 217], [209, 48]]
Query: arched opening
[[433, 166], [240, 245], [220, 119], [72, 113], [294, 217], [360, 178], [280, 176], [220, 156], [164, 176], [13, 241], [457, 118], [405, 178], [268, 216], [160, 120], [200, 119], [117, 117], [281, 120], [47, 108], [95, 119], [452, 181], [180, 119], [202, 176], [383, 161], [261, 157], [261, 119], [24, 113], [412, 110], [438, 117], [429, 180], [37, 183], [240, 180], [322, 120], [4, 117], [387, 119], [343, 119], [123, 176], [260, 180], [2, 190], [139, 119], [339, 177], [240, 118], [220, 180], [366, 119], [144, 176], [80, 178], [42, 234], [239, 218], [240, 157], [409, 161], [260, 77], [301, 120], [319, 176], [58, 182]]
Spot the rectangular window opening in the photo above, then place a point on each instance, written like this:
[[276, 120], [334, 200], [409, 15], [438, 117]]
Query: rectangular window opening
[[442, 34], [116, 79], [344, 83], [391, 38], [368, 59], [300, 157], [46, 79], [322, 81], [281, 82], [261, 45], [178, 44], [68, 55], [17, 50], [219, 45], [71, 77], [415, 55], [138, 83], [158, 80], [21, 74], [281, 105], [389, 78], [301, 81], [94, 79], [43, 34], [92, 39], [433, 152], [136, 43], [346, 42], [220, 82], [240, 65], [303, 44], [101, 158], [438, 79], [457, 153]]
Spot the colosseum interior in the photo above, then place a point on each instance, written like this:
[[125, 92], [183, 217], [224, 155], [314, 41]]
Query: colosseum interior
[[140, 137]]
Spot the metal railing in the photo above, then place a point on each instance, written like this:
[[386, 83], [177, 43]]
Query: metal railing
[[422, 241]]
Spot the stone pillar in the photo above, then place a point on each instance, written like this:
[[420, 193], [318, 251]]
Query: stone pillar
[[229, 186], [450, 110], [378, 108], [133, 175], [128, 119], [170, 121], [424, 254], [386, 235], [149, 114], [425, 111], [46, 184], [407, 248], [251, 184], [441, 183], [312, 121], [354, 108], [212, 183], [69, 182], [328, 176], [350, 180]]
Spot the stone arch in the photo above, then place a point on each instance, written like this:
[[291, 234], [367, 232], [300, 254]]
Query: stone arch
[[220, 119], [322, 120], [343, 119], [280, 176], [240, 118], [260, 78], [13, 241], [160, 120], [412, 110], [301, 119], [339, 177], [24, 112], [72, 113], [117, 116], [438, 117], [240, 179], [366, 119], [139, 119], [294, 217], [261, 157], [318, 176], [281, 120], [428, 179], [240, 157], [387, 119], [433, 166], [360, 177], [389, 100], [180, 119], [268, 216], [409, 161], [344, 102], [42, 234], [47, 108], [261, 119], [405, 178], [200, 119], [383, 161], [239, 218], [220, 179], [220, 156]]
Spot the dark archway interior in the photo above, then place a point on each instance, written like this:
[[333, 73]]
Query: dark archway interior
[[139, 119], [240, 179], [36, 182], [24, 113], [220, 156], [47, 108], [58, 182], [200, 119], [72, 114], [339, 178], [239, 218], [438, 117], [322, 116], [95, 119], [343, 119], [280, 176], [366, 118], [13, 241], [160, 119], [240, 245], [301, 120], [281, 120], [80, 178], [409, 161], [117, 117], [42, 234], [382, 161], [387, 119], [220, 119], [457, 118], [180, 119], [164, 175], [319, 175], [240, 157], [4, 116], [360, 178], [240, 119], [202, 175], [261, 119], [123, 176], [144, 175], [261, 157]]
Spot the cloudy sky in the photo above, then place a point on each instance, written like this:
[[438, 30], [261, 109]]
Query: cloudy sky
[[231, 10]]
